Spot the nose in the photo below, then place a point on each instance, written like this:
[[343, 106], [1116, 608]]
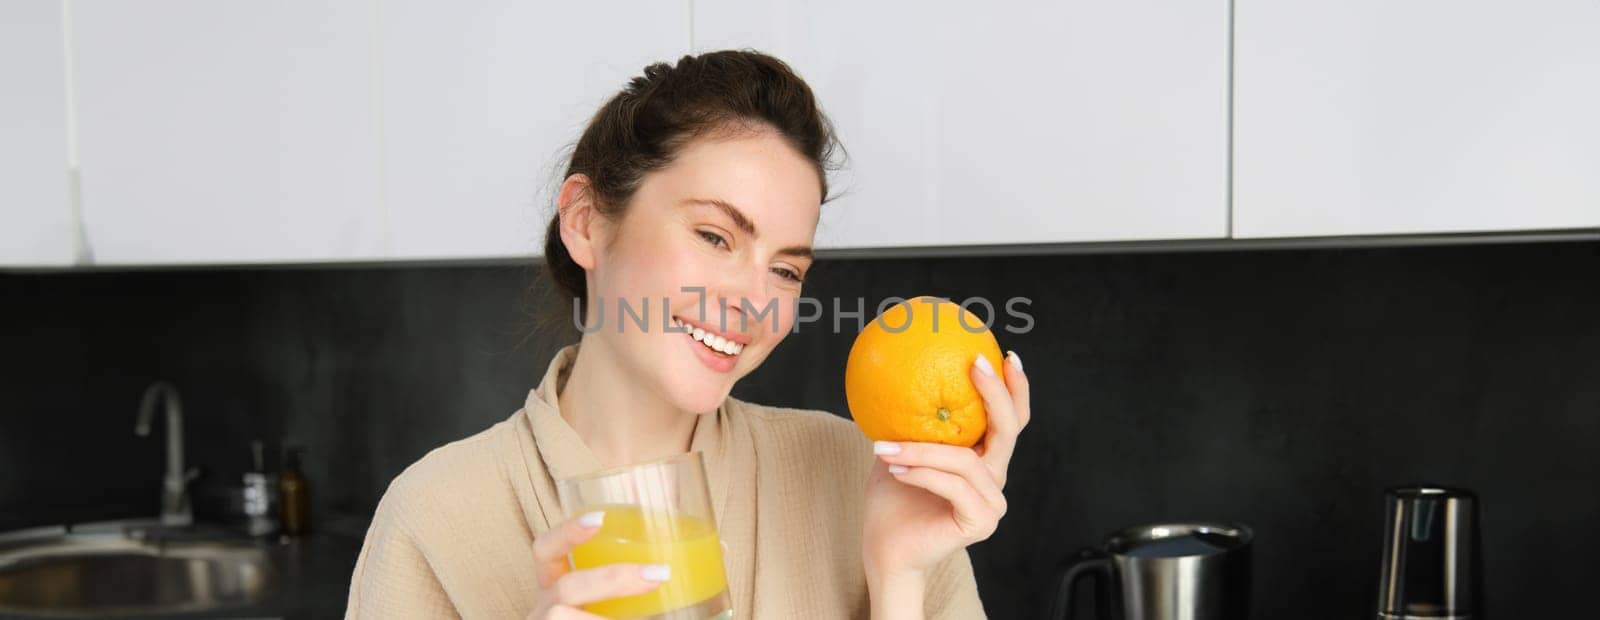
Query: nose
[[740, 287]]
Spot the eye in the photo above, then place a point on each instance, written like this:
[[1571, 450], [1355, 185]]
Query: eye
[[788, 273], [715, 239], [712, 237]]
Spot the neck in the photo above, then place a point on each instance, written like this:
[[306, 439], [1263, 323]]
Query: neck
[[620, 421]]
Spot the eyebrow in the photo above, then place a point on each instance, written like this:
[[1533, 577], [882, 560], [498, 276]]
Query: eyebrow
[[745, 224]]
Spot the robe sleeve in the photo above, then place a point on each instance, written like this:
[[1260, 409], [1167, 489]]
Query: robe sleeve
[[393, 578], [952, 590]]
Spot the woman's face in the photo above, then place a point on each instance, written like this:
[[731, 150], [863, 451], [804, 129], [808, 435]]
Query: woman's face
[[724, 236]]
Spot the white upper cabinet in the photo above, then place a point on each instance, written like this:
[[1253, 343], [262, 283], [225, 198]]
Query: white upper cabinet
[[227, 132], [1425, 116], [482, 101], [1013, 122], [289, 131], [36, 223]]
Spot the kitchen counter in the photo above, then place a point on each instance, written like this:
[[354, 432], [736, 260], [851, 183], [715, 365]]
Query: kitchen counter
[[313, 579]]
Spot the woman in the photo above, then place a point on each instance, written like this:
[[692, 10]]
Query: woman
[[700, 184]]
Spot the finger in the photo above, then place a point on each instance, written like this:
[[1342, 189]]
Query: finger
[[974, 517], [955, 460], [550, 549], [1017, 383], [1000, 436], [608, 582]]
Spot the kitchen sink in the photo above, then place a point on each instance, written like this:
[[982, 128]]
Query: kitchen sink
[[129, 567]]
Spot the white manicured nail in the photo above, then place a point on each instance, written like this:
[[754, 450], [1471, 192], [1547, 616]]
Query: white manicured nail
[[592, 519], [885, 447], [1016, 360], [655, 572], [984, 366], [897, 469]]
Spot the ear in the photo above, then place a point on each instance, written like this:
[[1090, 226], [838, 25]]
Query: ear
[[579, 230]]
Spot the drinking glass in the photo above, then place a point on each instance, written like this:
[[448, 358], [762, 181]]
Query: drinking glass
[[656, 512]]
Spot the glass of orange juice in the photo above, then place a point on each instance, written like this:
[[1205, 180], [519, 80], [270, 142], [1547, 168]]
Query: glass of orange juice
[[657, 512]]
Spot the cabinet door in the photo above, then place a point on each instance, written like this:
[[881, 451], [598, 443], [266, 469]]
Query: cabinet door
[[1426, 116], [482, 101], [35, 213], [227, 132], [1014, 122]]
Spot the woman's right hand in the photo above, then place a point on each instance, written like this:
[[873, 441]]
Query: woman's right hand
[[562, 590]]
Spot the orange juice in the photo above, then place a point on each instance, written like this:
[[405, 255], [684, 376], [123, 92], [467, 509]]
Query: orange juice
[[629, 534]]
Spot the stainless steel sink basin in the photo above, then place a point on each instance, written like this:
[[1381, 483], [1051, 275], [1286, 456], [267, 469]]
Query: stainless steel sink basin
[[128, 568]]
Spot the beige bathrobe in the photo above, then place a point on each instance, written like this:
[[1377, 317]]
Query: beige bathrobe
[[453, 535]]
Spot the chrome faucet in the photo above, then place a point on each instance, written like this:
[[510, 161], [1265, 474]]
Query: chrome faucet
[[175, 508]]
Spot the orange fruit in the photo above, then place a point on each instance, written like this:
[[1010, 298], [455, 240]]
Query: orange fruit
[[912, 384]]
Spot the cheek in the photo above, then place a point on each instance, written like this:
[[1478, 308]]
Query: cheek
[[680, 259], [661, 270], [676, 272]]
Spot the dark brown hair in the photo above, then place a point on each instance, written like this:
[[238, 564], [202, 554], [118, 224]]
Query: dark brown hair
[[643, 129]]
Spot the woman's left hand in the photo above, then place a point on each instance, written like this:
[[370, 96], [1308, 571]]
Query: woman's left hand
[[946, 497]]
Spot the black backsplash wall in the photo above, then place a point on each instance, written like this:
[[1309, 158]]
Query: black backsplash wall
[[1284, 389]]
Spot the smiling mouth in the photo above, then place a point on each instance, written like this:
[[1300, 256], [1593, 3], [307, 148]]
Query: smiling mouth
[[717, 344]]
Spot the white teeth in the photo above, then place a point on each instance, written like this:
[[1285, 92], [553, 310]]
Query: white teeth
[[712, 341]]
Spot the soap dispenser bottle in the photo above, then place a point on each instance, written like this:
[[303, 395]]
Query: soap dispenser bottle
[[292, 489]]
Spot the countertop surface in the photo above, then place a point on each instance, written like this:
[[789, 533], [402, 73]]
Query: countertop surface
[[313, 582]]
